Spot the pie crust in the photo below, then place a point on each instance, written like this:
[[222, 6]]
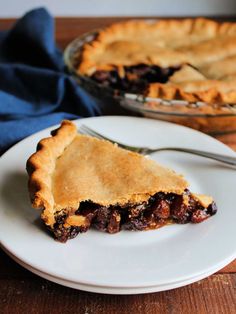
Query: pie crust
[[206, 47], [71, 172]]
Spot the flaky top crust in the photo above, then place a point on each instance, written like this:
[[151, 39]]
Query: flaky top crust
[[69, 168], [206, 45]]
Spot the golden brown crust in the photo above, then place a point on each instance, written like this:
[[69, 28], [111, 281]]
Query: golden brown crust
[[163, 43], [69, 168], [204, 200], [108, 175], [210, 91], [207, 45], [40, 167]]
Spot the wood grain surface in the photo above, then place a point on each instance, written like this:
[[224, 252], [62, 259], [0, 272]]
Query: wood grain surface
[[24, 292]]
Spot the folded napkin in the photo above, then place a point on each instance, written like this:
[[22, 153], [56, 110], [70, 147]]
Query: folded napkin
[[35, 92]]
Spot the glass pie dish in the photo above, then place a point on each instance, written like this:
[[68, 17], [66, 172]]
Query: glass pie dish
[[208, 118]]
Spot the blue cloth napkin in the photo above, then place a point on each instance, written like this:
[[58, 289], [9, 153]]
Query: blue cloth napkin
[[35, 91]]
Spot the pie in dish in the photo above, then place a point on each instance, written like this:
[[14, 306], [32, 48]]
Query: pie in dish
[[79, 181], [190, 59]]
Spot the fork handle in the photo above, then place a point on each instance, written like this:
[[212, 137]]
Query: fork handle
[[222, 158]]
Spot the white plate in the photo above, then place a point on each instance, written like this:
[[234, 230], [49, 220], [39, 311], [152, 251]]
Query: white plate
[[127, 262], [107, 290]]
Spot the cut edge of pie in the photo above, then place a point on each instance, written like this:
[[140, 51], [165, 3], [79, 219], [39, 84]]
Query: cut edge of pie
[[79, 181], [166, 46]]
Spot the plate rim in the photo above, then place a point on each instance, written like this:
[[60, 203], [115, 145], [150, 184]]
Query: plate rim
[[78, 121], [113, 290]]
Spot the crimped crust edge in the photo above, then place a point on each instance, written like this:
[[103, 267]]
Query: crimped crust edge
[[41, 164]]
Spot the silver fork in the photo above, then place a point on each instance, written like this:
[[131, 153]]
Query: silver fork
[[83, 129]]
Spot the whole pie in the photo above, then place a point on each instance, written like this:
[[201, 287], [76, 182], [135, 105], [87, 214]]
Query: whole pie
[[190, 59], [80, 182]]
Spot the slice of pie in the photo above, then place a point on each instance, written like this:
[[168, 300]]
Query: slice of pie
[[190, 59], [80, 182]]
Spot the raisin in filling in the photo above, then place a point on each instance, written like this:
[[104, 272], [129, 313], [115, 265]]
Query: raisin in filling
[[159, 210], [135, 78]]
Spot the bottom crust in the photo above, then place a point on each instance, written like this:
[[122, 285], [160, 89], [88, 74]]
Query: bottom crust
[[159, 210]]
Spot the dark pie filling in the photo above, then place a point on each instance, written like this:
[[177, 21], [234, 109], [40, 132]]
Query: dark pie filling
[[161, 209], [135, 78]]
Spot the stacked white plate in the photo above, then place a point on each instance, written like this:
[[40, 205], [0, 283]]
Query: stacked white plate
[[126, 262]]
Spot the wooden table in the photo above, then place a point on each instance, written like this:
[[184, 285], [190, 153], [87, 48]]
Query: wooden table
[[24, 292]]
